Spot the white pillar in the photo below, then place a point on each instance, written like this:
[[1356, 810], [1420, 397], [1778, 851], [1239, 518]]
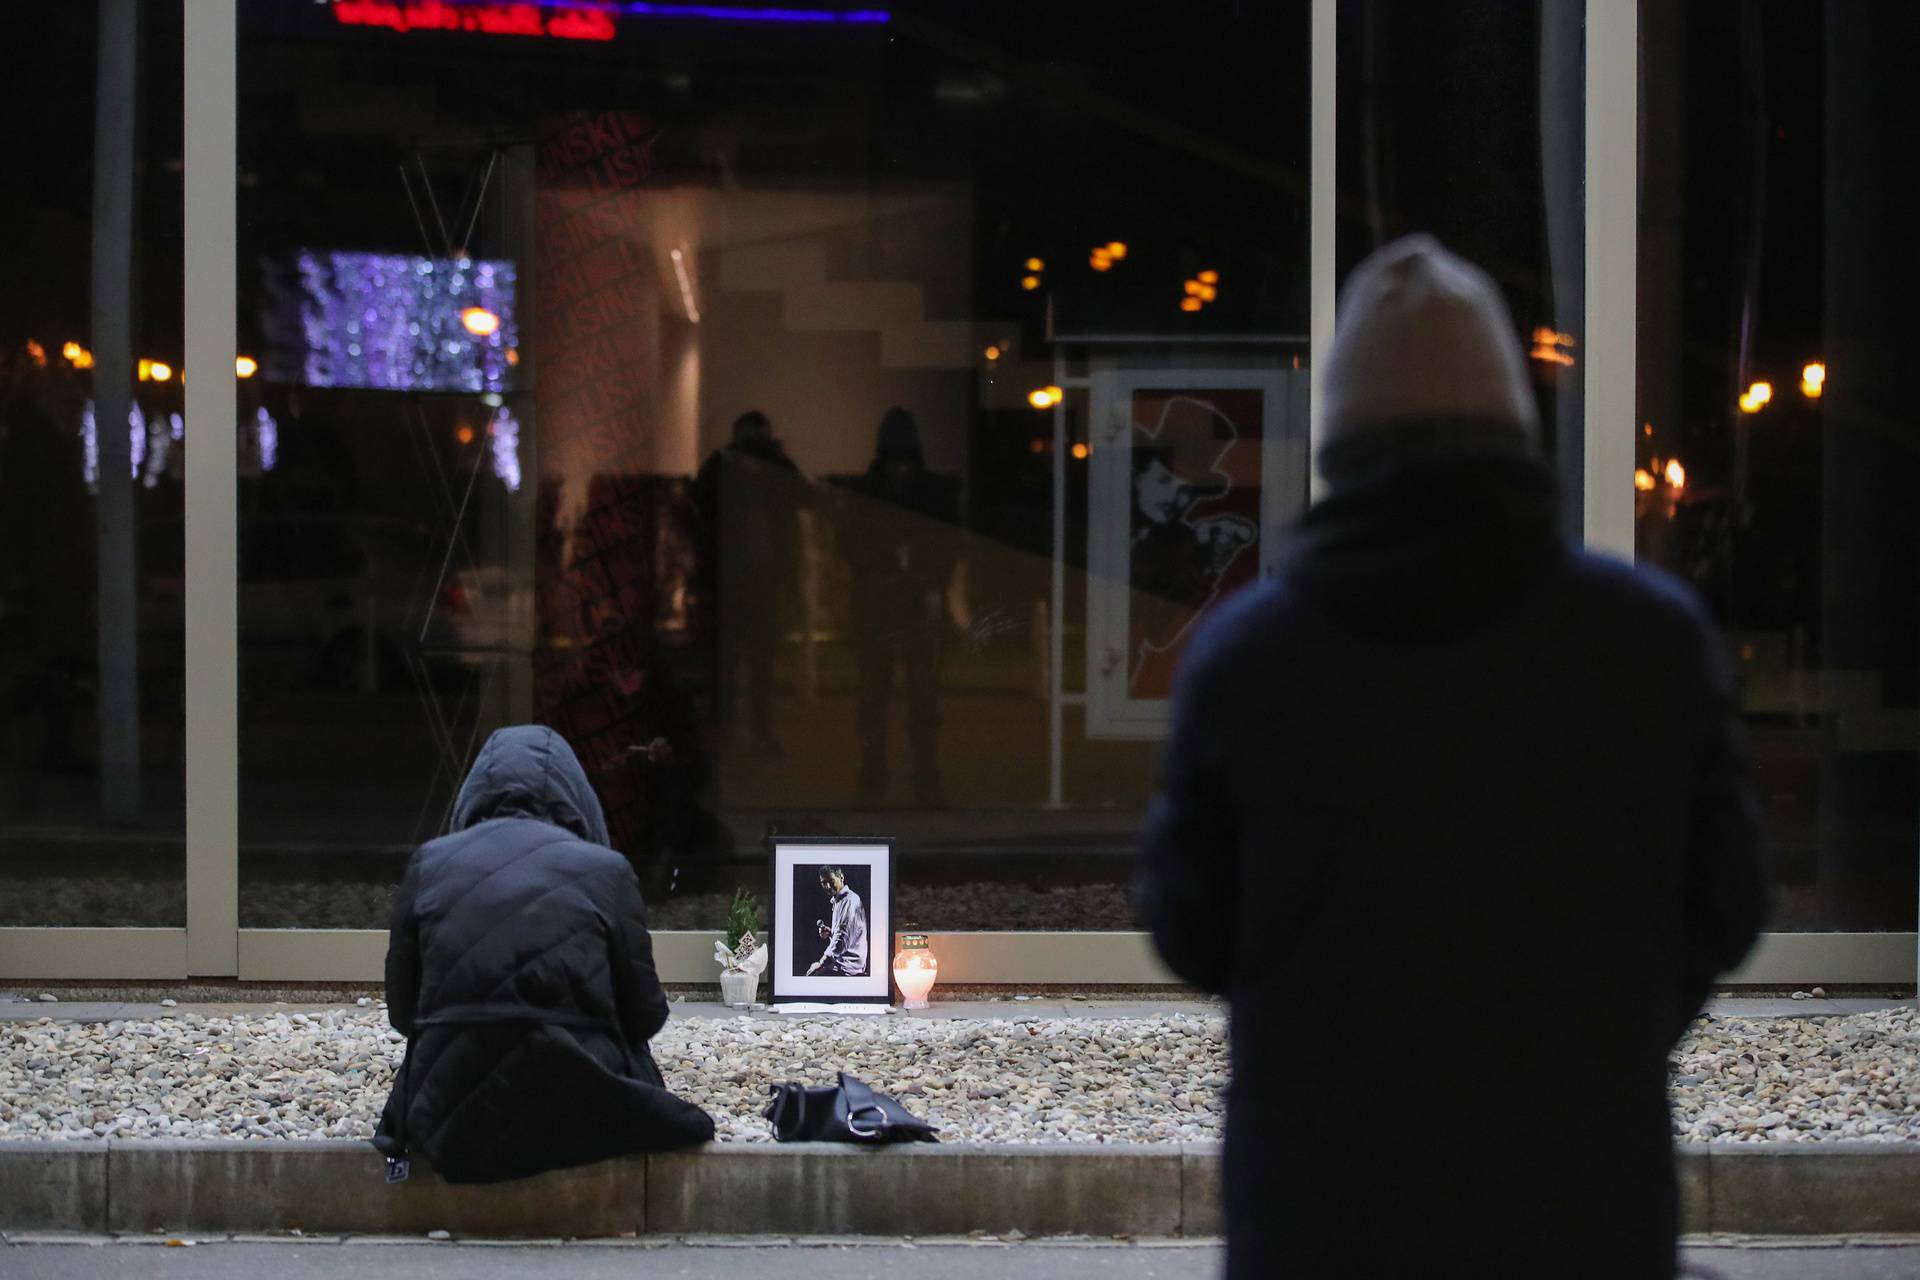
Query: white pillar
[[1322, 273], [1613, 224], [213, 728]]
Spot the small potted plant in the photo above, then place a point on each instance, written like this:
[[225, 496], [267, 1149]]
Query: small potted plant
[[741, 956]]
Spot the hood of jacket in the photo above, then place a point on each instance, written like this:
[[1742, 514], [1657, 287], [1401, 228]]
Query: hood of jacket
[[1432, 550], [529, 771]]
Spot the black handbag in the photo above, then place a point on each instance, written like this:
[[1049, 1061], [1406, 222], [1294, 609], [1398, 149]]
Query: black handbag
[[846, 1112]]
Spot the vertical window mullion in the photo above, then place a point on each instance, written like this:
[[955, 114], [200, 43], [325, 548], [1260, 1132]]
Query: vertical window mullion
[[212, 637]]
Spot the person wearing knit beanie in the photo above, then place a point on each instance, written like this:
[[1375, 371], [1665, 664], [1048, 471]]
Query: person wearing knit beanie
[[1487, 786], [1425, 363]]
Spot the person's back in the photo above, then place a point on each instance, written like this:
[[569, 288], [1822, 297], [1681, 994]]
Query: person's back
[[1483, 795], [521, 971]]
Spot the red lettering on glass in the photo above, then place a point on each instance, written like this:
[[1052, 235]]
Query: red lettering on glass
[[488, 19]]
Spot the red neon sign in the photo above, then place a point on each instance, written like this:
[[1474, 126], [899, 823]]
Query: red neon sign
[[486, 19]]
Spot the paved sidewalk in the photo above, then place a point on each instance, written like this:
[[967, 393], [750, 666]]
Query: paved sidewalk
[[245, 1258]]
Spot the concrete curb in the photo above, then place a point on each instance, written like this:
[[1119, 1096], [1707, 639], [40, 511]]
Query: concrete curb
[[1833, 1188]]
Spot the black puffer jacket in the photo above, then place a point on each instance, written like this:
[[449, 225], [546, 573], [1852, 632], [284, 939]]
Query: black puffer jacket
[[521, 972]]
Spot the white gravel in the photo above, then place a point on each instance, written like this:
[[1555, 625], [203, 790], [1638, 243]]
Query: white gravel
[[1800, 1079], [297, 1075], [1040, 1079]]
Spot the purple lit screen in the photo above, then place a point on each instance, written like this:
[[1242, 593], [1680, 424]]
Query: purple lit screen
[[390, 321]]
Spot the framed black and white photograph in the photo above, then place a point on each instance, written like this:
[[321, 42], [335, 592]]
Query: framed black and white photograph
[[832, 919]]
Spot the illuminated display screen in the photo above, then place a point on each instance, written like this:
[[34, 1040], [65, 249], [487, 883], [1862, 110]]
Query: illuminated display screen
[[391, 322]]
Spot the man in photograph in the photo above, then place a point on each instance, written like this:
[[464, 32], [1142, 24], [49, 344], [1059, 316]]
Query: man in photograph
[[845, 955]]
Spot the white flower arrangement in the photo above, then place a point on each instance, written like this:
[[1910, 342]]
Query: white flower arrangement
[[748, 957]]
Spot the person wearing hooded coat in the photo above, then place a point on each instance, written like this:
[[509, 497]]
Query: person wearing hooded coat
[[1486, 787], [521, 972]]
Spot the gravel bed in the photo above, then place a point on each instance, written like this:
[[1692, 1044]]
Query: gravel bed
[[326, 1075], [1016, 1080]]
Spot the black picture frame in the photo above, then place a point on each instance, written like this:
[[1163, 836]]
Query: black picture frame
[[873, 856]]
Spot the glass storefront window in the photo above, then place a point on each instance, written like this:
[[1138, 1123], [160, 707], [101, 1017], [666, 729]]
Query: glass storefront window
[[1776, 448], [829, 426], [91, 466], [1488, 157]]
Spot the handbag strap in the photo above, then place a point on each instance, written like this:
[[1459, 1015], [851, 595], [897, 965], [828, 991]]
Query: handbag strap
[[786, 1097], [866, 1118]]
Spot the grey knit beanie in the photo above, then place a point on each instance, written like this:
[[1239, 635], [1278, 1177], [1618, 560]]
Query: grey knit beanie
[[1425, 363]]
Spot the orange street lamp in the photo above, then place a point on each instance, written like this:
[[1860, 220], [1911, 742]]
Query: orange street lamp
[[1813, 380], [1676, 474], [1643, 480], [245, 366], [480, 322]]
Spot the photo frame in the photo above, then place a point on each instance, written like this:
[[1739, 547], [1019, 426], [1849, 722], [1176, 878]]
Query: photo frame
[[1196, 475], [832, 910]]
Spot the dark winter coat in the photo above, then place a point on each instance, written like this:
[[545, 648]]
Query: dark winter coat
[[1459, 820], [521, 972]]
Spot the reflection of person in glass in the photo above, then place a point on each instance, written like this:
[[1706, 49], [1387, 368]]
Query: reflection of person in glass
[[845, 955], [899, 544], [750, 494], [1176, 561]]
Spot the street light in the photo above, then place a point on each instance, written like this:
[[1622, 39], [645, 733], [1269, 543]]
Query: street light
[[245, 366], [480, 322], [1813, 380]]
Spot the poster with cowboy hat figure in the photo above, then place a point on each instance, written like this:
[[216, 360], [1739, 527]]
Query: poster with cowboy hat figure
[[1195, 476]]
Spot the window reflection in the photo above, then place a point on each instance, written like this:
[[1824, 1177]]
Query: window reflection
[[768, 451], [1772, 254]]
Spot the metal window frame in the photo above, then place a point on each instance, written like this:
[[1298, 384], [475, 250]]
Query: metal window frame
[[212, 489], [213, 945]]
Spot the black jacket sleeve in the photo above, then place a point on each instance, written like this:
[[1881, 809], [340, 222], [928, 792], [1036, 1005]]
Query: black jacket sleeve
[[1727, 899], [403, 954], [643, 1002], [1188, 859]]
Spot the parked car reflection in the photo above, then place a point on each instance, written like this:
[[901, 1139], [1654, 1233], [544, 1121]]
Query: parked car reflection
[[353, 603]]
